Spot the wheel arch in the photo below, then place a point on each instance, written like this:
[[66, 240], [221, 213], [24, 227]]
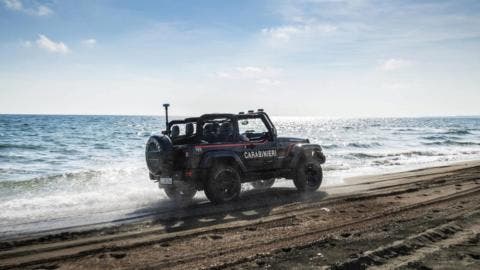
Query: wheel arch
[[213, 158]]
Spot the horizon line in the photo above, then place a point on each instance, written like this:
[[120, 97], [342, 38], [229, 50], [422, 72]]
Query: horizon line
[[272, 115]]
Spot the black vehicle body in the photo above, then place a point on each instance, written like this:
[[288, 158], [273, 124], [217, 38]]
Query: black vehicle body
[[176, 160]]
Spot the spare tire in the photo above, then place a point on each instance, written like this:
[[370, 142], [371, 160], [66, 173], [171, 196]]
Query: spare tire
[[158, 153]]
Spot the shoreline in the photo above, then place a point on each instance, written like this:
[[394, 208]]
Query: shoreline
[[358, 182], [446, 165]]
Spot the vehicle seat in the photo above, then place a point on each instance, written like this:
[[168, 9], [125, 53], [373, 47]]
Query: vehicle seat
[[225, 134], [175, 132], [188, 129], [215, 128], [209, 134]]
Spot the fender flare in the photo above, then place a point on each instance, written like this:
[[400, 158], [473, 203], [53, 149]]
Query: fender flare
[[210, 157], [312, 152]]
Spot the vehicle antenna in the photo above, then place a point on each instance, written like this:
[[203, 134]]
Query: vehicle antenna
[[166, 105]]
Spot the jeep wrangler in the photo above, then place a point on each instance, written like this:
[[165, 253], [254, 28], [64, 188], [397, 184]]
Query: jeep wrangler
[[218, 152]]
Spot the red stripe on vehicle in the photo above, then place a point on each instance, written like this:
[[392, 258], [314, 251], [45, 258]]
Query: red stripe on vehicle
[[229, 145]]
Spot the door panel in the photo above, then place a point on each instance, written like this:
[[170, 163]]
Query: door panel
[[260, 152], [260, 156]]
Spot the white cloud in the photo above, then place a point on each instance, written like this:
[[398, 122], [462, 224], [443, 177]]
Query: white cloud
[[13, 4], [17, 5], [283, 32], [394, 64], [250, 71], [91, 42], [41, 11], [287, 32], [45, 43]]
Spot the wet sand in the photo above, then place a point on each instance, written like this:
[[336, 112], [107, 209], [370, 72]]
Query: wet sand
[[420, 219]]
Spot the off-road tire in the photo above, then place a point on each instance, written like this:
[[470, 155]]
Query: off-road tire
[[180, 194], [308, 176], [223, 184], [263, 184]]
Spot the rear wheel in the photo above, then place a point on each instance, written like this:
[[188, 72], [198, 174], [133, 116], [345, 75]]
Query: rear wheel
[[263, 184], [309, 176], [223, 184], [181, 194]]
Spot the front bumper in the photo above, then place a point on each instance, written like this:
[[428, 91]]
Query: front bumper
[[321, 157]]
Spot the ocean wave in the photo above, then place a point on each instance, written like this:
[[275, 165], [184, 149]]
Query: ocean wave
[[64, 151], [144, 133], [353, 145], [416, 153], [329, 146], [365, 155], [452, 143], [78, 178], [391, 155], [50, 179], [440, 137], [336, 167], [364, 145], [101, 146], [10, 158], [458, 132], [21, 146], [386, 162]]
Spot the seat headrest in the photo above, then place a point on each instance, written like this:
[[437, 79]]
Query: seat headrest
[[175, 131], [226, 128], [215, 126], [208, 128], [189, 129]]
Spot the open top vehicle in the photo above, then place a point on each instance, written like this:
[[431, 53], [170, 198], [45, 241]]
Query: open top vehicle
[[220, 151]]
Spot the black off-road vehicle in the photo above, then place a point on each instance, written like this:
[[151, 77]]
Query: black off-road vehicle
[[217, 152]]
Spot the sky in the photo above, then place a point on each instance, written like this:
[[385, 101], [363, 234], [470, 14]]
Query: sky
[[322, 58]]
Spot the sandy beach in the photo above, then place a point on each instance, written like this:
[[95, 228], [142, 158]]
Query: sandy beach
[[421, 219]]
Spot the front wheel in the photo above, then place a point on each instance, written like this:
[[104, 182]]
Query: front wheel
[[308, 177], [263, 184], [223, 184], [180, 194]]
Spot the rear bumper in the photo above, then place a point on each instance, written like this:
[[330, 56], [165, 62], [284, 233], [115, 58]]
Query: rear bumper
[[178, 177]]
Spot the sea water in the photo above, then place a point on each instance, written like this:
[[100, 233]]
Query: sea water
[[58, 171]]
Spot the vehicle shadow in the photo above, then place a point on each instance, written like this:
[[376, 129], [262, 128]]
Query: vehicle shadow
[[252, 204]]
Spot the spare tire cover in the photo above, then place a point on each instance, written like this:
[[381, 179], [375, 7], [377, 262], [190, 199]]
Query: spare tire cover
[[158, 153]]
